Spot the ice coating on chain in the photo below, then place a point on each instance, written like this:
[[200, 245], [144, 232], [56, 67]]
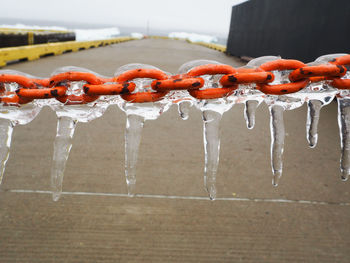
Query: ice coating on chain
[[10, 116], [277, 105], [62, 146], [6, 128], [212, 111], [137, 114], [185, 99], [18, 114], [316, 95], [68, 117], [343, 98]]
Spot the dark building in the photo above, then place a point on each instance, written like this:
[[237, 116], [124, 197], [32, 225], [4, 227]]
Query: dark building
[[296, 29]]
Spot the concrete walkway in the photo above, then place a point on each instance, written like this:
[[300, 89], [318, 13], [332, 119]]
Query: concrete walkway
[[305, 219]]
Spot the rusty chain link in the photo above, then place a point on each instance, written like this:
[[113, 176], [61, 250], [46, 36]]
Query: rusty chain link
[[56, 86]]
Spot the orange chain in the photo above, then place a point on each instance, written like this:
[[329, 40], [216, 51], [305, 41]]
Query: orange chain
[[56, 87]]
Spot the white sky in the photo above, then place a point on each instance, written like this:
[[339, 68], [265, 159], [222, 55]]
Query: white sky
[[206, 16]]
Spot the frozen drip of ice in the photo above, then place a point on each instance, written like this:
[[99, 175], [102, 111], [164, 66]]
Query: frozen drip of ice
[[344, 128], [137, 114], [62, 146], [343, 98], [212, 111], [6, 128], [68, 117], [277, 141]]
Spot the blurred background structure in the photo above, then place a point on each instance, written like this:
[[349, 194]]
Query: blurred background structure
[[294, 29], [13, 37]]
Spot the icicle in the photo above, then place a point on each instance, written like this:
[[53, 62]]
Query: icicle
[[344, 128], [249, 112], [277, 141], [137, 114], [133, 134], [212, 111], [62, 147], [313, 116], [6, 128], [184, 108], [211, 123], [343, 120]]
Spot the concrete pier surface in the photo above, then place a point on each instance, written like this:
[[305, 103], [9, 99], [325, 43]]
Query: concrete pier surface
[[305, 219]]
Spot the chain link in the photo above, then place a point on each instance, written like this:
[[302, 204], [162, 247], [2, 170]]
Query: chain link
[[301, 75]]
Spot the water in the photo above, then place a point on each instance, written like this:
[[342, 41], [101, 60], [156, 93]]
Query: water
[[137, 114]]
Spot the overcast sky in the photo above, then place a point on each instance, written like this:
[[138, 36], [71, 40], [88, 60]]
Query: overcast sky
[[207, 16]]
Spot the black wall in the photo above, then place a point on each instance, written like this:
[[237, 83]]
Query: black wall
[[298, 29]]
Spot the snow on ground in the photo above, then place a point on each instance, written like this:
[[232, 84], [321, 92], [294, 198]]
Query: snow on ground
[[95, 34], [194, 37], [137, 35]]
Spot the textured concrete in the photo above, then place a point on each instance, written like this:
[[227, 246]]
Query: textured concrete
[[155, 228]]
